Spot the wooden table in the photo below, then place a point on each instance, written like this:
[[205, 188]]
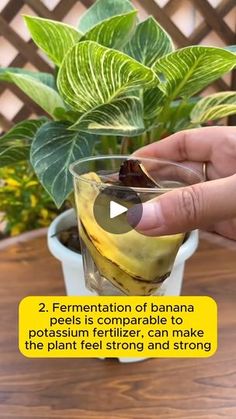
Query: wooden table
[[91, 388]]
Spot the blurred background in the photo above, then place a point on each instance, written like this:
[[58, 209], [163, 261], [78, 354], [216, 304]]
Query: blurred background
[[189, 22]]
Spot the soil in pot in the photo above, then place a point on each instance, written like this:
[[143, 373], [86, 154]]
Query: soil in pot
[[70, 239]]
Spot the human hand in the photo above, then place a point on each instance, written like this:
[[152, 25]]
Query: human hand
[[210, 205]]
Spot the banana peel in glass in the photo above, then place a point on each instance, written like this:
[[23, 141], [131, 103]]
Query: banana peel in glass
[[134, 263]]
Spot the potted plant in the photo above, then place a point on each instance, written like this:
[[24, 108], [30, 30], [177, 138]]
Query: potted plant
[[118, 84]]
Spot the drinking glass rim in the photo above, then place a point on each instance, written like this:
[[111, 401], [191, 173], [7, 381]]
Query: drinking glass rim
[[130, 157]]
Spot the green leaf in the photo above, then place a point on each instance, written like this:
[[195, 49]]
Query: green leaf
[[187, 71], [178, 114], [114, 32], [46, 97], [92, 75], [53, 150], [123, 117], [101, 10], [149, 42], [153, 103], [54, 38], [65, 113], [215, 106], [15, 144], [45, 78]]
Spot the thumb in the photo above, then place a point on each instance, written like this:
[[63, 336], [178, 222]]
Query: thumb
[[185, 209]]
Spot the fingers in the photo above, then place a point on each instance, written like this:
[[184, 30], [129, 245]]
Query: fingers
[[185, 209], [192, 145]]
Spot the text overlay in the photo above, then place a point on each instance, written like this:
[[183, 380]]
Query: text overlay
[[68, 327]]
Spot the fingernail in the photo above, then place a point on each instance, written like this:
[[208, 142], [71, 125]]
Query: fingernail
[[152, 217]]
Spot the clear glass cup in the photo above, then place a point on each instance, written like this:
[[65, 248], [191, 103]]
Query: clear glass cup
[[129, 263]]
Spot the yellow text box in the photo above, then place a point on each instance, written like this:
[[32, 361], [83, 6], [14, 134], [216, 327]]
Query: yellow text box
[[69, 327]]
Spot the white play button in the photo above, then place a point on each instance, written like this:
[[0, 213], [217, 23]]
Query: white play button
[[116, 209], [111, 206]]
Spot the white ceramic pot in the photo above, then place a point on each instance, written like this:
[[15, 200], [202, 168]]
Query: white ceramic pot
[[72, 264]]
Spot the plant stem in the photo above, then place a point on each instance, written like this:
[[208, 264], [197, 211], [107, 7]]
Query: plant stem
[[125, 145], [163, 117], [156, 133], [148, 136]]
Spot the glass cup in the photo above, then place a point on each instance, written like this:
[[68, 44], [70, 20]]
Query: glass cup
[[129, 263]]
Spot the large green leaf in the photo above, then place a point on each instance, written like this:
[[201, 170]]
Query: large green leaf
[[53, 150], [187, 71], [45, 78], [114, 32], [46, 97], [101, 10], [54, 38], [122, 117], [15, 144], [215, 106], [92, 75], [149, 42]]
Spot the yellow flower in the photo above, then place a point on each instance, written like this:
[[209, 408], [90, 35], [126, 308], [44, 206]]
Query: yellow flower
[[32, 183], [33, 201], [44, 213], [13, 182], [17, 229]]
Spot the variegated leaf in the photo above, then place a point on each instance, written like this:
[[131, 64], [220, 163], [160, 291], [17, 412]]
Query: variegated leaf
[[101, 10], [215, 106], [114, 32], [15, 144], [149, 42], [187, 71], [122, 117], [45, 78], [92, 75], [54, 38], [46, 97], [53, 150]]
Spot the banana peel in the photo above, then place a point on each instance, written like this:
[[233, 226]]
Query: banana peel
[[134, 263]]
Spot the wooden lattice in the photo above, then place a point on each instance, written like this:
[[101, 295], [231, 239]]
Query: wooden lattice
[[27, 52]]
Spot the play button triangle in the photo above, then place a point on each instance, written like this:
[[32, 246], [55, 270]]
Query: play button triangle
[[116, 209]]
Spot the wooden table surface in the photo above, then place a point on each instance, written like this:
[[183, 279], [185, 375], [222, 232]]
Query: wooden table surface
[[91, 388]]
